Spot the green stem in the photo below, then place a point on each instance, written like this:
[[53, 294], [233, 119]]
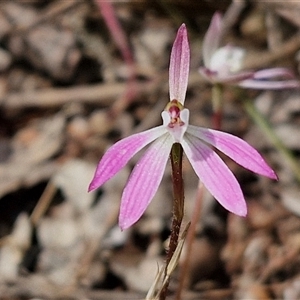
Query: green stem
[[264, 125], [178, 207]]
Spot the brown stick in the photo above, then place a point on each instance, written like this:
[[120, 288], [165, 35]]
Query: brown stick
[[98, 94], [263, 59], [52, 11], [43, 203]]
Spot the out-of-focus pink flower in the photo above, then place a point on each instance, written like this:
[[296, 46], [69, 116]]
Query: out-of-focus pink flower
[[224, 64], [196, 143]]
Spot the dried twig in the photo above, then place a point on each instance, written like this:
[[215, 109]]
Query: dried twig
[[101, 94], [274, 32], [264, 59], [43, 203], [232, 14], [52, 11]]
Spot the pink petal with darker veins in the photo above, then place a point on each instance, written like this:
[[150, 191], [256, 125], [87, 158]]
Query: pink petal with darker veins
[[117, 156], [179, 66], [144, 181], [215, 175], [235, 148]]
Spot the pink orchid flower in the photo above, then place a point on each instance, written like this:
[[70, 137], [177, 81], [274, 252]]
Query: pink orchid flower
[[196, 142], [224, 64]]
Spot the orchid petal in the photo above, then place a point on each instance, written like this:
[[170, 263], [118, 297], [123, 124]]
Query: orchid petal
[[235, 148], [236, 78], [229, 79], [215, 175], [274, 72], [117, 156], [144, 181], [179, 66], [272, 85], [212, 38]]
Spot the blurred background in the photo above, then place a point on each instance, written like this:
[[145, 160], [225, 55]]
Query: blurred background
[[77, 76]]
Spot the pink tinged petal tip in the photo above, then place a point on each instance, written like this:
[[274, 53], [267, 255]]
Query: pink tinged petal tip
[[117, 156], [212, 39], [215, 175], [179, 66], [144, 181], [235, 148]]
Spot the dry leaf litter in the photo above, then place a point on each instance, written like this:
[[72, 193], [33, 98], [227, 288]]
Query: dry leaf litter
[[63, 87]]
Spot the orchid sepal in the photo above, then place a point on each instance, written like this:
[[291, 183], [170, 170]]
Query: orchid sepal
[[179, 66], [118, 155], [235, 148], [144, 181]]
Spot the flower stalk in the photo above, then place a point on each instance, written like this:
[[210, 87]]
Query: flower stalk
[[178, 189], [178, 207], [190, 240]]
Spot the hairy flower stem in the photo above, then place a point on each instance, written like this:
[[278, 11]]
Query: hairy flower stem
[[185, 266], [217, 103], [178, 206], [266, 128]]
